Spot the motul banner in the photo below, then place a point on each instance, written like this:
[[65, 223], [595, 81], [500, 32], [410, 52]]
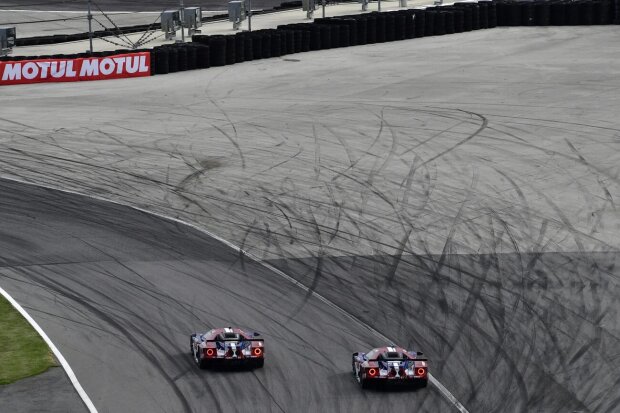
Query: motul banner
[[73, 70]]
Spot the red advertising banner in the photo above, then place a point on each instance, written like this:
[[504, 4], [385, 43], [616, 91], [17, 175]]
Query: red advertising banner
[[74, 70]]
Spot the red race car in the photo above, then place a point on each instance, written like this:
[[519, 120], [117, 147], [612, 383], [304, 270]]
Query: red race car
[[227, 347], [390, 365]]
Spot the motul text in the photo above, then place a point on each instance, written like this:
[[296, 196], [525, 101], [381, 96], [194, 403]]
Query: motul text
[[73, 70]]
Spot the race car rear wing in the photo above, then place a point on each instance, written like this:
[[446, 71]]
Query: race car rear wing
[[419, 353], [244, 339]]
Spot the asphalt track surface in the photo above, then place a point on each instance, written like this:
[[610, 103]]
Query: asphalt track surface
[[120, 291], [459, 193]]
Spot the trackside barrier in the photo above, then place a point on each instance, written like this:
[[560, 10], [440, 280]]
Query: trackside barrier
[[341, 31], [375, 27], [74, 69]]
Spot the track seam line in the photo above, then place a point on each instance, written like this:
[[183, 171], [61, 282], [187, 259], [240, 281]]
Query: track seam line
[[440, 387], [65, 365]]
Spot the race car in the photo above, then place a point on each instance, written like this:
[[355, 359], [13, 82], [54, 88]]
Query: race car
[[390, 365], [227, 347]]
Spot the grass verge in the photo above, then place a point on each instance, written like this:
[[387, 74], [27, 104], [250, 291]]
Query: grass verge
[[23, 353]]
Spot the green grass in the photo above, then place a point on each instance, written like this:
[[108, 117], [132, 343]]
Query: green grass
[[23, 353]]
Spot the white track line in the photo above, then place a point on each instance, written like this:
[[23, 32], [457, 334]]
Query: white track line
[[78, 387], [440, 387]]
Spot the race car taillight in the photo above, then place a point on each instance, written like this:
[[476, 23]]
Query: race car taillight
[[209, 352], [372, 372], [257, 351], [420, 371]]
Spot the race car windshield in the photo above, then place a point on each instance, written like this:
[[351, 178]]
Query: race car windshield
[[229, 337], [391, 355]]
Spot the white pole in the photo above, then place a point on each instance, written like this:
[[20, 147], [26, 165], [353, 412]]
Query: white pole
[[249, 15], [90, 27], [182, 22]]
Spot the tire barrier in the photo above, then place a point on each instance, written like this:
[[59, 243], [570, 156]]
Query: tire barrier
[[400, 26], [449, 21], [173, 59], [276, 43], [239, 48], [181, 58], [289, 41], [191, 57], [390, 27], [440, 23], [380, 27], [459, 20], [410, 23], [203, 56], [429, 19], [265, 44], [528, 15], [257, 45], [162, 58], [246, 40], [231, 55], [350, 30], [362, 30], [371, 34], [420, 23], [542, 14]]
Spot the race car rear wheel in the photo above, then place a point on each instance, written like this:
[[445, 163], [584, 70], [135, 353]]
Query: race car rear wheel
[[201, 363], [420, 383], [259, 363], [364, 383]]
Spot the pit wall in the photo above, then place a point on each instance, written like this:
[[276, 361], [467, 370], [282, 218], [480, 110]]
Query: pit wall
[[342, 31]]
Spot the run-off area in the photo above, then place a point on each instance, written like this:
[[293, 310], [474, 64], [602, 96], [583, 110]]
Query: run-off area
[[459, 194]]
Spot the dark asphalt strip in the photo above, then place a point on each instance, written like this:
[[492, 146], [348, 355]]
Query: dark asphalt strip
[[119, 291]]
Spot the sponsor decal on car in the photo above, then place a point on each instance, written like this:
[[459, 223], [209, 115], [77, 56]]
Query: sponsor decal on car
[[73, 70]]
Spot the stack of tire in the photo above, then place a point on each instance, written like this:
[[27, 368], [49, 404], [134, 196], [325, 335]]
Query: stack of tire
[[360, 29], [179, 57]]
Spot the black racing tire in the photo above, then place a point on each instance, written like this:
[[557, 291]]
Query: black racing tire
[[365, 383], [259, 364], [203, 364], [420, 383]]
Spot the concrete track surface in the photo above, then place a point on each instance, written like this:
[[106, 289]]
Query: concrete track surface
[[458, 193], [119, 292]]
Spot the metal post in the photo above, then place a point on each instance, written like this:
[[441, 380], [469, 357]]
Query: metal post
[[323, 4], [182, 22], [249, 15], [379, 2], [90, 27]]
